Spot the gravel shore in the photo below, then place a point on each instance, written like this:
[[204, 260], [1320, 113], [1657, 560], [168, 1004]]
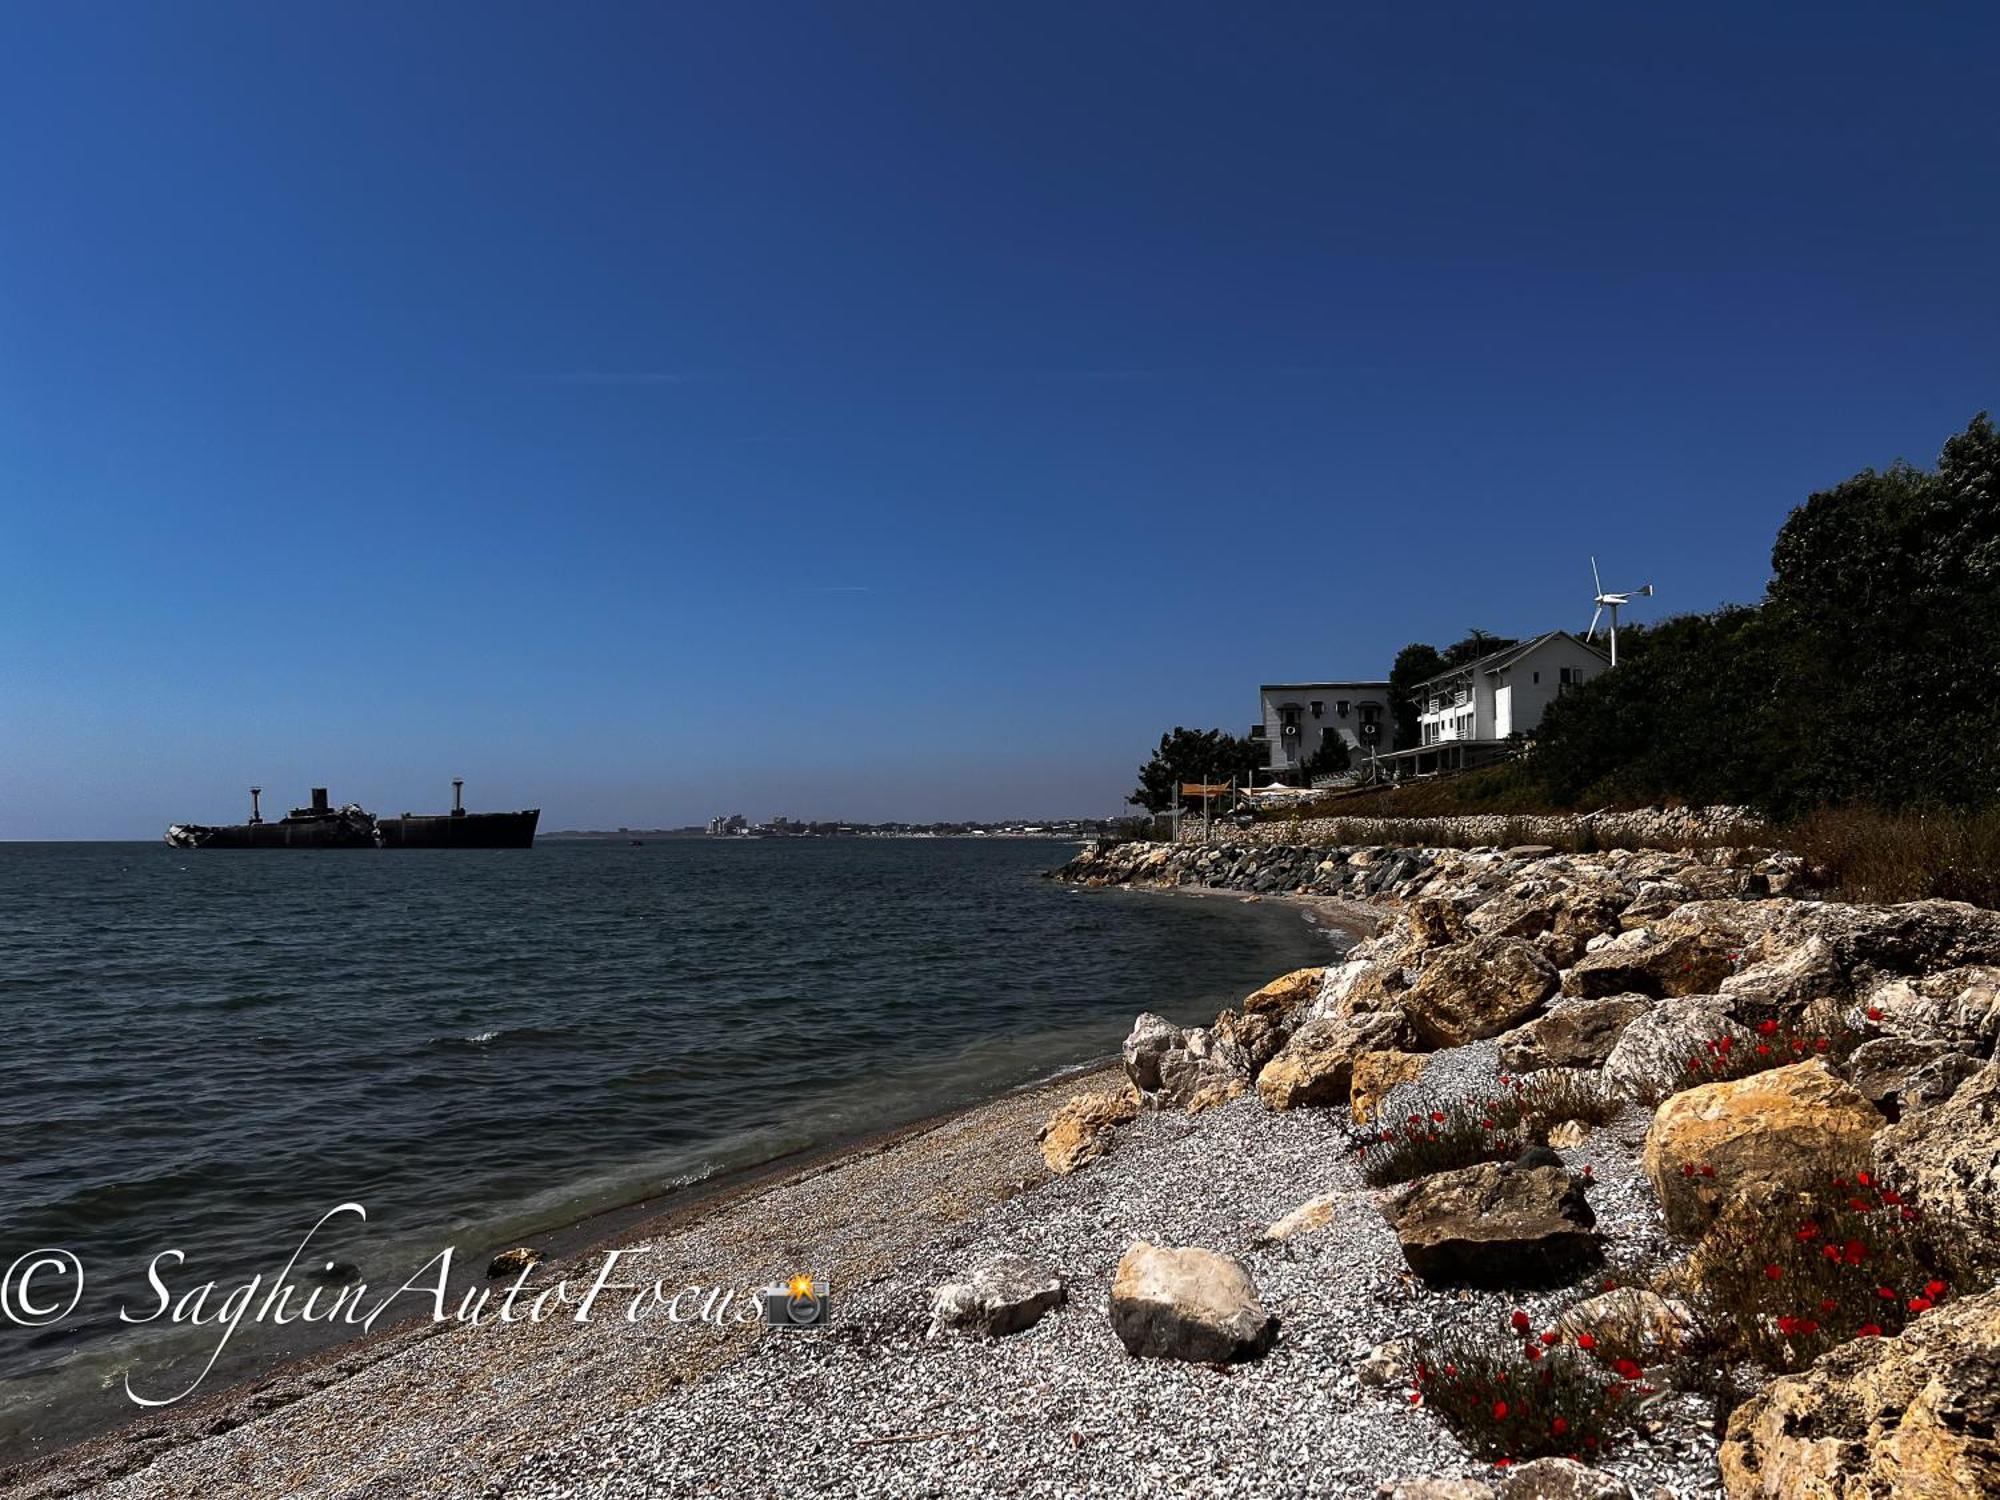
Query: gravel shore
[[871, 1406]]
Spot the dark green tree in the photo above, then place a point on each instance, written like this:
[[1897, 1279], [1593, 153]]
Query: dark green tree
[[1204, 755], [1330, 759], [1413, 664]]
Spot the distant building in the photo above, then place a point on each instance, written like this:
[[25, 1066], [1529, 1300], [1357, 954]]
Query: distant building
[[1298, 717], [1467, 715]]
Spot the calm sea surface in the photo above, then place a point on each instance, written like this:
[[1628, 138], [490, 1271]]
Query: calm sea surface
[[207, 1051]]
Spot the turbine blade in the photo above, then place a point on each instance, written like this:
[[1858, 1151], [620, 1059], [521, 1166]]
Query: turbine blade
[[1599, 582], [1591, 634], [1647, 591]]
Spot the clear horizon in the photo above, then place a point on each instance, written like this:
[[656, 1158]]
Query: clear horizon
[[908, 414]]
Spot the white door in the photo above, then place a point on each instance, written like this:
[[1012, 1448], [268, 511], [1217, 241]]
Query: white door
[[1503, 711]]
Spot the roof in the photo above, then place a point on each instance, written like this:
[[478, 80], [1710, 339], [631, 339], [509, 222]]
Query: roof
[[1306, 687], [1506, 656]]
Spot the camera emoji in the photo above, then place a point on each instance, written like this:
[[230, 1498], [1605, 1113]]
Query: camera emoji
[[801, 1302]]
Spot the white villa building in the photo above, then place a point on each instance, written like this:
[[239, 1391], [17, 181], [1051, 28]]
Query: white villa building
[[1299, 716], [1467, 714]]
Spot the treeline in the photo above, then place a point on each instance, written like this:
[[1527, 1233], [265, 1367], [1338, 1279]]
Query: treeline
[[1869, 674]]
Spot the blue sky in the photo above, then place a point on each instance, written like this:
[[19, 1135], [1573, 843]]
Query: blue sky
[[905, 410]]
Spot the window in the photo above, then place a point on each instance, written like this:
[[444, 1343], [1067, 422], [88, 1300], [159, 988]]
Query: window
[[1318, 706], [1340, 707], [1538, 676]]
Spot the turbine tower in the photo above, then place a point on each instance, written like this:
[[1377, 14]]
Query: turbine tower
[[1611, 602]]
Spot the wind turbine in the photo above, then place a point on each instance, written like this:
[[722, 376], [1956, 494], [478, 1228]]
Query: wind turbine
[[1611, 602]]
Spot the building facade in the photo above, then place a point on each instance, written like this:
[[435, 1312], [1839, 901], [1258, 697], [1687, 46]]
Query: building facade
[[1298, 718], [1504, 692]]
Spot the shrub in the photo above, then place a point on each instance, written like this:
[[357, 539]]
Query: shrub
[[1428, 1133], [1775, 1044], [1853, 1261], [1525, 1395]]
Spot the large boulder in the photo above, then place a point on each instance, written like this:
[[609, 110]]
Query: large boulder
[[1206, 1064], [1790, 1127], [1007, 1294], [1286, 995], [1172, 1303], [1317, 1065], [1477, 989], [1646, 962], [1376, 1074], [1899, 1073], [1958, 1007], [1916, 1416], [1850, 948], [1080, 1128], [1574, 1034], [1651, 1056], [1146, 1047], [1948, 1158], [1510, 916], [1496, 1224], [1259, 1034], [1434, 922]]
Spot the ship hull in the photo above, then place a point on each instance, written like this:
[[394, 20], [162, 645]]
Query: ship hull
[[319, 833], [496, 830]]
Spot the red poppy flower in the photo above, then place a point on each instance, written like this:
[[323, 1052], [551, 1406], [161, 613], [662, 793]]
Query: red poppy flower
[[1762, 1050], [1820, 1044], [1707, 1171], [1559, 1426], [1551, 1337], [1520, 1321], [1869, 1331], [1874, 1012], [1437, 1117], [1827, 1304], [1629, 1368], [1767, 1028], [1920, 1304], [1585, 1341], [1533, 1351], [1885, 1293], [1807, 1232], [1934, 1289], [1499, 1411], [1774, 1272], [1854, 1252]]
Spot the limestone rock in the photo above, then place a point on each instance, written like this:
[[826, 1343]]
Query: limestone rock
[[1477, 989], [513, 1262], [1435, 922], [1644, 962], [1900, 1073], [1314, 1213], [1630, 1322], [1258, 1033], [1959, 1007], [1949, 1158], [1495, 1225], [1286, 995], [1376, 1074], [1214, 1093], [1510, 916], [1007, 1294], [1317, 1065], [1574, 1034], [1859, 945], [1650, 1058], [1916, 1416], [1388, 1364], [1146, 1047], [1793, 1126], [1434, 1489], [1080, 1128], [1206, 1063], [1561, 1479], [1174, 1303]]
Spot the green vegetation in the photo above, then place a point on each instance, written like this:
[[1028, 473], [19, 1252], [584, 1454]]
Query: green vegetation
[[1203, 755], [1870, 673]]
